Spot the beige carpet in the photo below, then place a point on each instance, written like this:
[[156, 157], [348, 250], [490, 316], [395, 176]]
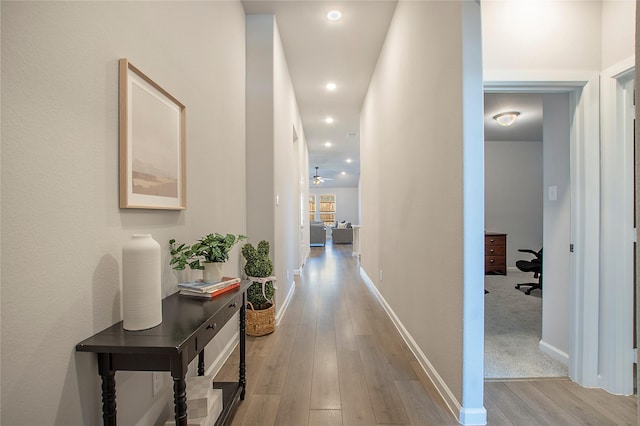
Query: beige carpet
[[513, 325]]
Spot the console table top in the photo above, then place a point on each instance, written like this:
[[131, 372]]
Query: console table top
[[182, 316]]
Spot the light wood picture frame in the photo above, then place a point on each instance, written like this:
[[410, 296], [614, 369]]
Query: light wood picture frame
[[153, 172]]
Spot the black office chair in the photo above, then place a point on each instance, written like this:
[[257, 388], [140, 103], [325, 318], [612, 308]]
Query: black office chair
[[533, 265]]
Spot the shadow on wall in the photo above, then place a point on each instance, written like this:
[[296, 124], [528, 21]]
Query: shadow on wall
[[83, 367], [105, 293]]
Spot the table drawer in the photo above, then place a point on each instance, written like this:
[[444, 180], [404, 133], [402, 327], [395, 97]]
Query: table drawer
[[495, 250], [495, 240], [214, 324], [494, 261]]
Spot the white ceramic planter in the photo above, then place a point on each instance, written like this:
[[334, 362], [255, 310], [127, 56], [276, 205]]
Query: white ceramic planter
[[212, 271]]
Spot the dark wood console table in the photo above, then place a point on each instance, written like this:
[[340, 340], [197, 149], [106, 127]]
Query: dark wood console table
[[188, 324]]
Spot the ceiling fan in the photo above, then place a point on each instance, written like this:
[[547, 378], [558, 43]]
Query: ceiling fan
[[317, 179]]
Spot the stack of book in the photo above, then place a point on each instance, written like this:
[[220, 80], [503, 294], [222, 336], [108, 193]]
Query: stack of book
[[207, 289]]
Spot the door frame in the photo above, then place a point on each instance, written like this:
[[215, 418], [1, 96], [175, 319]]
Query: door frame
[[583, 90], [602, 358], [618, 235]]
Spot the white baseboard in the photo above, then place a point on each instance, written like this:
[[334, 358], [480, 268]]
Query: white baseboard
[[287, 300], [554, 352], [473, 416], [452, 403]]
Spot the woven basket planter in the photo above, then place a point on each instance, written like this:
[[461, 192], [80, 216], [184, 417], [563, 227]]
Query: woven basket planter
[[260, 323]]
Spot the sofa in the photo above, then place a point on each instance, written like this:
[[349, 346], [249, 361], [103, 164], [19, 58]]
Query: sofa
[[318, 234], [342, 233]]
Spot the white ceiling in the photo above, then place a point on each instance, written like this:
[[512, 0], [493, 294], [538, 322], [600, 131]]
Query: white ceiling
[[319, 51], [345, 52]]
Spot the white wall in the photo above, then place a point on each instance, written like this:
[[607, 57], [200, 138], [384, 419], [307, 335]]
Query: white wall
[[288, 172], [513, 195], [346, 203], [530, 38], [62, 229], [618, 29], [412, 138], [274, 155], [556, 303], [260, 129]]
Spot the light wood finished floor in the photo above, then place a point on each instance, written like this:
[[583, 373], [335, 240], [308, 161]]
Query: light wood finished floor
[[336, 359]]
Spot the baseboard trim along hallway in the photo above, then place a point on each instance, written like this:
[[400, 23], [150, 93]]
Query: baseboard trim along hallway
[[452, 403]]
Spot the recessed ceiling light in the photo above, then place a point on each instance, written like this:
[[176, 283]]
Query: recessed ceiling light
[[343, 173], [327, 144], [348, 160], [328, 120], [334, 15], [331, 87]]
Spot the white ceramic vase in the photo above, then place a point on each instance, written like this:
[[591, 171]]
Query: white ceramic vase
[[141, 283], [212, 271]]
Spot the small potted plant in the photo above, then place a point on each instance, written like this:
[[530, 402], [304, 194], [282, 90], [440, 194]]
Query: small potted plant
[[181, 257], [213, 250], [261, 318]]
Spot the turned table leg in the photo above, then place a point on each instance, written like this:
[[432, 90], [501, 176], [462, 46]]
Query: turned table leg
[[180, 400], [108, 390], [243, 330]]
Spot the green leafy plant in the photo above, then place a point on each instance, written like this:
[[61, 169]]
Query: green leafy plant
[[181, 256], [259, 265], [215, 247]]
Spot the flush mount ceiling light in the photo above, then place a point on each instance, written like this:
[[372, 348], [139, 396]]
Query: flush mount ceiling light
[[331, 87], [327, 144], [334, 15], [506, 119], [328, 120], [348, 160]]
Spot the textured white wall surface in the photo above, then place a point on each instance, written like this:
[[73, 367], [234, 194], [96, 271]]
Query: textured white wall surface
[[273, 153], [62, 229], [557, 222], [618, 29], [539, 36], [287, 173], [513, 194], [411, 179], [561, 36]]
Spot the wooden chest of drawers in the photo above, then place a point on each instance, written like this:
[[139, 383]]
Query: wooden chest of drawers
[[495, 253]]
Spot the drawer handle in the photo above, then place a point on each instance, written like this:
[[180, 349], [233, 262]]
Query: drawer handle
[[233, 305], [491, 241], [211, 326], [491, 251], [491, 260]]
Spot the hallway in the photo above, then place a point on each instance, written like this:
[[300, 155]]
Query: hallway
[[336, 359]]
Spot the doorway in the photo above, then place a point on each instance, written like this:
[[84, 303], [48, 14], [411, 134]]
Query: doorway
[[600, 308], [521, 163]]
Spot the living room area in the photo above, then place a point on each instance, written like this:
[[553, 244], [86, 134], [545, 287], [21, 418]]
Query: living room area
[[333, 214]]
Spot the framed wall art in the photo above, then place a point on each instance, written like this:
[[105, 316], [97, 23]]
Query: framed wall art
[[152, 144]]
